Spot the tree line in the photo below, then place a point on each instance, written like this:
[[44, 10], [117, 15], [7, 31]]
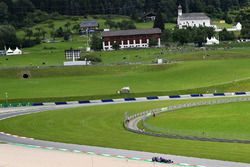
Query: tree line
[[16, 11]]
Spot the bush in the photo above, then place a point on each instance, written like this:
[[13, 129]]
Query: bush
[[30, 42], [92, 58]]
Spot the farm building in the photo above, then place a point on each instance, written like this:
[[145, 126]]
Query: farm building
[[192, 19], [89, 25], [131, 38]]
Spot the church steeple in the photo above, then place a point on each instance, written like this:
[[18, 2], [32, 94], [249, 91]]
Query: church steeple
[[179, 10]]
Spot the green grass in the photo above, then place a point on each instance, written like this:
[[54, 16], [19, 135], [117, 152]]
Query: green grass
[[226, 121], [52, 54], [102, 126], [143, 79], [222, 25]]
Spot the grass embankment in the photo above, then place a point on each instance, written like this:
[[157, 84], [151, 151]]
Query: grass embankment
[[226, 121], [103, 81], [102, 126]]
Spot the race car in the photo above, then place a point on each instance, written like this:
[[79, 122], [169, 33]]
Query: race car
[[162, 160]]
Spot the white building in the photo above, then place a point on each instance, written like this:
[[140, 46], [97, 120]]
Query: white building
[[212, 41], [192, 19], [10, 52]]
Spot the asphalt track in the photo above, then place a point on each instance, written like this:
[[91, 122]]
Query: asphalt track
[[13, 112]]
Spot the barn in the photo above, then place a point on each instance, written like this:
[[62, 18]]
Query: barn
[[136, 38]]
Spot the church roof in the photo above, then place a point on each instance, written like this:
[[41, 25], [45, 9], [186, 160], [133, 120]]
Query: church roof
[[194, 16]]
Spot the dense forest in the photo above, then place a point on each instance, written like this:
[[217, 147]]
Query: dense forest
[[14, 11]]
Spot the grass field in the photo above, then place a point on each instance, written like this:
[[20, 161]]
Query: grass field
[[102, 126], [143, 79], [52, 54], [226, 121]]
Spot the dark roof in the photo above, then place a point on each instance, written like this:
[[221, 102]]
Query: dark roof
[[87, 24], [149, 14], [194, 16], [131, 32], [72, 50]]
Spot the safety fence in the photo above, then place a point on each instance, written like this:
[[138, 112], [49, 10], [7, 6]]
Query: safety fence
[[155, 131]]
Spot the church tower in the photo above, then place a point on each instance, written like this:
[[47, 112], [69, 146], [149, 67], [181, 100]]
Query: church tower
[[179, 10]]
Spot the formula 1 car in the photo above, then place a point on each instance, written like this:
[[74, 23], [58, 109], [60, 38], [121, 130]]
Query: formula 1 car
[[162, 160]]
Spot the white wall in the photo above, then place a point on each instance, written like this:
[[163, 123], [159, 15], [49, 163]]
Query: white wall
[[130, 44], [193, 23]]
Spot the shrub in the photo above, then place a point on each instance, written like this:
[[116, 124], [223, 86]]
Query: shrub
[[92, 58]]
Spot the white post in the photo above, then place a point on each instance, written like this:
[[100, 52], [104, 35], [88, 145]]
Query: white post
[[148, 42], [140, 42], [122, 45], [159, 42], [134, 43], [109, 45], [73, 56], [103, 45], [128, 43]]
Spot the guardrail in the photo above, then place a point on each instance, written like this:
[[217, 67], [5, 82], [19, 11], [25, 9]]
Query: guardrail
[[131, 99], [147, 114]]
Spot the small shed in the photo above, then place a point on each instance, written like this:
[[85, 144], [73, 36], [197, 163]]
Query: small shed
[[149, 17]]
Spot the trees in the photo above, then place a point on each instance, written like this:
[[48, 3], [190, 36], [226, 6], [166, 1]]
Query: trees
[[126, 25], [28, 32], [159, 23], [181, 35], [226, 36], [96, 42], [3, 12], [8, 36], [244, 18], [197, 35]]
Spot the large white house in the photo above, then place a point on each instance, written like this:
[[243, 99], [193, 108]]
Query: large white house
[[192, 19]]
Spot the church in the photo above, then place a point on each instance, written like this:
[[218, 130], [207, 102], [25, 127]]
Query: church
[[192, 19]]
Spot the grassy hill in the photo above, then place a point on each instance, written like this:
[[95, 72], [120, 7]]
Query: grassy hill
[[84, 82]]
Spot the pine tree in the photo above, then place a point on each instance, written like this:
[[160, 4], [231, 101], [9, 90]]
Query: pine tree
[[159, 23]]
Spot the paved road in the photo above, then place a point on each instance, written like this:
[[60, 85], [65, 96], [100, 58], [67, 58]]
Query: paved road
[[13, 112]]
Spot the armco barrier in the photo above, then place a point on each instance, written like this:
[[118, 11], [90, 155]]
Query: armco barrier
[[130, 99], [60, 103], [240, 93], [152, 97], [37, 104], [174, 97], [196, 95], [219, 94], [84, 102], [147, 114], [108, 101]]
